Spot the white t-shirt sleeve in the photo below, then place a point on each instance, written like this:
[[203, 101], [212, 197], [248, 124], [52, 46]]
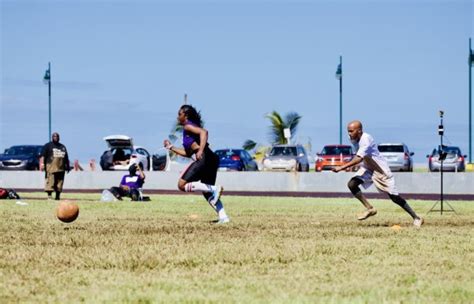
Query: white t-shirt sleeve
[[364, 146]]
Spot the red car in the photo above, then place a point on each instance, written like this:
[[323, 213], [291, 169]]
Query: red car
[[332, 156]]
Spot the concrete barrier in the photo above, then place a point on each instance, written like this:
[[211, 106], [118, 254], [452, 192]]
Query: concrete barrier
[[416, 183]]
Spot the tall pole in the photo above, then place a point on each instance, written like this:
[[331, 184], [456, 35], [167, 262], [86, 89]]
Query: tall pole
[[339, 77], [441, 157], [471, 59], [49, 95]]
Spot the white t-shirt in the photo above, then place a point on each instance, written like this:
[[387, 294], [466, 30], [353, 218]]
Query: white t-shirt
[[369, 152]]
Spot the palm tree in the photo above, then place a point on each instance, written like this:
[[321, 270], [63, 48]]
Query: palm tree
[[249, 145], [279, 124]]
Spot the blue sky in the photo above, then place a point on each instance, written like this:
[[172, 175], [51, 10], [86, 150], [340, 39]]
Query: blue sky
[[123, 67]]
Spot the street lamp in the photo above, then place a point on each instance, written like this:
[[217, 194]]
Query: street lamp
[[470, 62], [47, 80], [339, 77]]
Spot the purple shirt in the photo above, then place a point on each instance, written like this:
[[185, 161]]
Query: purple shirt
[[133, 182], [188, 137]]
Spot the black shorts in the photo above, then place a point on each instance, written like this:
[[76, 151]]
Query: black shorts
[[204, 169]]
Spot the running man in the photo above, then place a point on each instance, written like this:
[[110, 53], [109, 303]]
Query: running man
[[201, 174], [374, 169]]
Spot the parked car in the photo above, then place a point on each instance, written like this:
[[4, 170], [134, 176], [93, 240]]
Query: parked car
[[398, 157], [160, 160], [122, 153], [286, 158], [332, 156], [236, 160], [24, 157], [453, 161]]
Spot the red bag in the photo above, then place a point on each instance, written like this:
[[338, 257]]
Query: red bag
[[3, 193]]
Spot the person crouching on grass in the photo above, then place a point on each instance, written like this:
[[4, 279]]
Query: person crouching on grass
[[201, 174], [131, 183], [374, 169]]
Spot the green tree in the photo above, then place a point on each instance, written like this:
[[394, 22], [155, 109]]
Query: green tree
[[249, 145], [278, 125]]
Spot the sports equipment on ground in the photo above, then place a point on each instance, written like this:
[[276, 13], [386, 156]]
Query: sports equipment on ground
[[67, 211]]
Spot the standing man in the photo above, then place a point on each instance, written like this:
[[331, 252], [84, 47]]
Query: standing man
[[55, 162], [374, 169]]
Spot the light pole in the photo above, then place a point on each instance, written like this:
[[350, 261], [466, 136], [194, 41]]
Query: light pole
[[47, 80], [470, 61], [339, 77]]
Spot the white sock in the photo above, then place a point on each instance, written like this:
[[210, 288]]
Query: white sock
[[198, 186]]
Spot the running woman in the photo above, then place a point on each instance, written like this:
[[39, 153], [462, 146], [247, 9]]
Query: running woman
[[373, 170], [201, 174]]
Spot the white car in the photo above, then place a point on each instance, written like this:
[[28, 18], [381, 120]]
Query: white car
[[286, 158], [122, 153], [398, 157]]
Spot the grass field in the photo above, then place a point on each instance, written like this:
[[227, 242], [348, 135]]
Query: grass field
[[275, 250]]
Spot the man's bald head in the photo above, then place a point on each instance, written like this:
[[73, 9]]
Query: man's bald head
[[354, 128], [355, 124]]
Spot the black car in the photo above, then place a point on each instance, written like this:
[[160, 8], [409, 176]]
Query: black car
[[25, 157]]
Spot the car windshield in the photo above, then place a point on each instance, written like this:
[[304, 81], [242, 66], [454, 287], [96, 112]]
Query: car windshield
[[285, 151], [449, 150], [391, 148], [19, 150], [225, 153], [336, 151]]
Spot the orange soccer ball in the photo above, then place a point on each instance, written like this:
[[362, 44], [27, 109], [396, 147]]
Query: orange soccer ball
[[67, 211]]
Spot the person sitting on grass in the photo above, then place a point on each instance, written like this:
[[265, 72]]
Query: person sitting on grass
[[130, 184]]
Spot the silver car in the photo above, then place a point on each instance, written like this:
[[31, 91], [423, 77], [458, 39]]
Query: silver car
[[398, 157], [453, 161], [286, 158]]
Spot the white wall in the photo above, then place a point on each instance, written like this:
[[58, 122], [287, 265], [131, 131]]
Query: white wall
[[454, 183]]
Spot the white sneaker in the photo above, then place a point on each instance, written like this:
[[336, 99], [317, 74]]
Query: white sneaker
[[418, 222], [223, 220], [216, 194]]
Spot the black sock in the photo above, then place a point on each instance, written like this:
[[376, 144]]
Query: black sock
[[57, 195], [397, 199]]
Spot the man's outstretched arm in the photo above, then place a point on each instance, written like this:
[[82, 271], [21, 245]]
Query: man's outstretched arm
[[355, 161]]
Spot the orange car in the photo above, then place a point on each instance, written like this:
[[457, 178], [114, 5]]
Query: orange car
[[332, 156]]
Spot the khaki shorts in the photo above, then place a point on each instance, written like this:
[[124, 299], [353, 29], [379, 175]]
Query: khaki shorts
[[383, 182], [54, 181]]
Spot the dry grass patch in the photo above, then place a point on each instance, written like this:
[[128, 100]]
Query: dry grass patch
[[277, 250]]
